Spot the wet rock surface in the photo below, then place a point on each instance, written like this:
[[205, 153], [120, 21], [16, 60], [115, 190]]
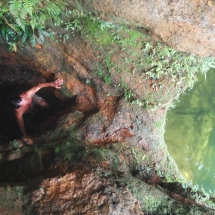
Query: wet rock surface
[[83, 192], [100, 116], [81, 186], [170, 21]]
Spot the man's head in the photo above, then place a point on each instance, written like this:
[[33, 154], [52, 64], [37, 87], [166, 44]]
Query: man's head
[[15, 102]]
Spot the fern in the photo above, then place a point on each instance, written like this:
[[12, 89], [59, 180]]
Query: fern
[[20, 23], [22, 20], [32, 38], [41, 19], [33, 23], [15, 7], [3, 32], [40, 38], [25, 35], [54, 9], [28, 6], [23, 13]]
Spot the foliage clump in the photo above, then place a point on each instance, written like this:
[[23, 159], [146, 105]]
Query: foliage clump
[[22, 20], [124, 51]]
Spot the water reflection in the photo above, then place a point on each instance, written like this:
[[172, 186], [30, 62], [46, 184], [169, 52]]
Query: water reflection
[[190, 132]]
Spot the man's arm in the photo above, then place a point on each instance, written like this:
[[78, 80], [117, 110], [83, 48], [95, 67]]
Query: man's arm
[[20, 122], [56, 84]]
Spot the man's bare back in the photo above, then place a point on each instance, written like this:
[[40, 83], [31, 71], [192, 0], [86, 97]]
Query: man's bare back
[[23, 102]]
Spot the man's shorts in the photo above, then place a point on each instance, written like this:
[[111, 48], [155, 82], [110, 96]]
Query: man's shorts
[[36, 99], [35, 102]]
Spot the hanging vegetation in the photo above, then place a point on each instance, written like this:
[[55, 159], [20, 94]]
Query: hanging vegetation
[[22, 20]]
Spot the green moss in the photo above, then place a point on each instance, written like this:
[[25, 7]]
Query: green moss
[[125, 50], [97, 31], [11, 199], [130, 38]]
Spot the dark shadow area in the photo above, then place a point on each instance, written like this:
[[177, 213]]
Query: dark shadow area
[[9, 129], [26, 168]]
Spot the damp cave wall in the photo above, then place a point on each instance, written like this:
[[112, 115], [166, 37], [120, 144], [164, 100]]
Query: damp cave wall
[[186, 26], [17, 75], [162, 25], [74, 60], [54, 60], [68, 61], [175, 26]]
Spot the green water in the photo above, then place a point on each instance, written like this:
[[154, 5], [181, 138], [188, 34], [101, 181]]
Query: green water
[[190, 132]]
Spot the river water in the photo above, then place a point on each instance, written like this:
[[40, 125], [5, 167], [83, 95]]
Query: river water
[[190, 132]]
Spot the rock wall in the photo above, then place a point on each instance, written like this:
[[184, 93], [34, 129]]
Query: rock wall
[[101, 116], [186, 25]]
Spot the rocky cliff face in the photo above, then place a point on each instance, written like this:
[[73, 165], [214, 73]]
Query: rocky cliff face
[[170, 21], [96, 151]]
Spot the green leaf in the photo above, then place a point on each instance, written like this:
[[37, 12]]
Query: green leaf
[[6, 38], [15, 6], [32, 39], [3, 32], [45, 33], [25, 35], [28, 6], [41, 36], [20, 23], [33, 24], [23, 13]]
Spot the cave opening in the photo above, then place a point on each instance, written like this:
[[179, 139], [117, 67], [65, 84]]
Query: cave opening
[[15, 79]]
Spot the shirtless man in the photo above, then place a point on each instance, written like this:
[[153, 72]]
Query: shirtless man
[[23, 102]]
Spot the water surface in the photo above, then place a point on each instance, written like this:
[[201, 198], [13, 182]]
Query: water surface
[[190, 132]]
